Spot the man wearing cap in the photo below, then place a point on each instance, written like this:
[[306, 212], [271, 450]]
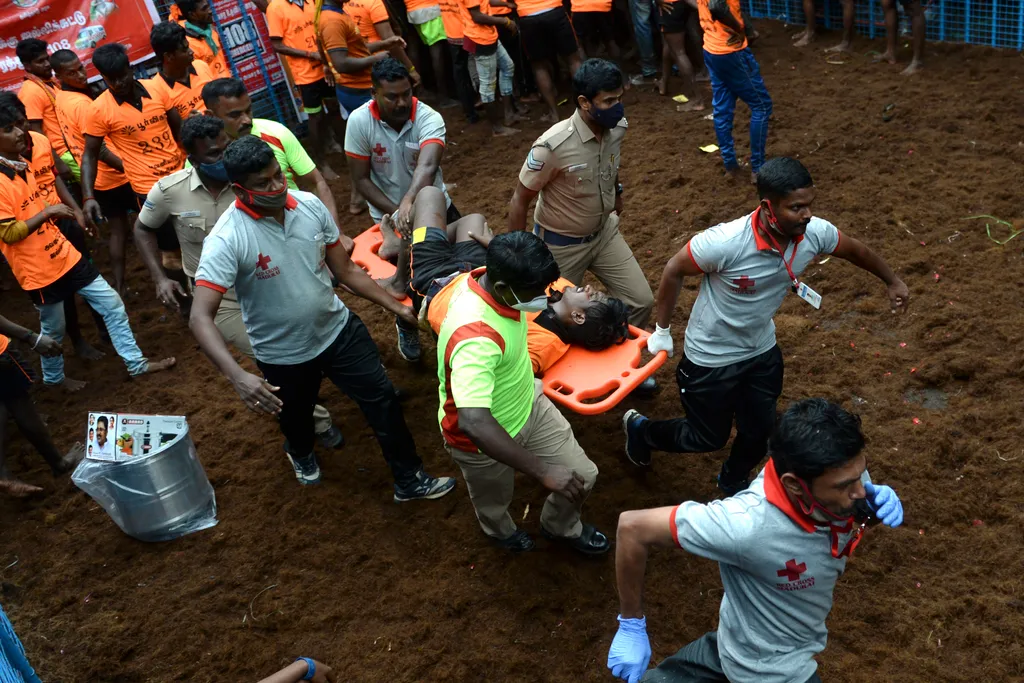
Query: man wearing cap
[[573, 172], [732, 364]]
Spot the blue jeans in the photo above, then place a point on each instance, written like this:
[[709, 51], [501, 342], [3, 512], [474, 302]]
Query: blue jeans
[[495, 72], [642, 11], [105, 301], [351, 99], [738, 75]]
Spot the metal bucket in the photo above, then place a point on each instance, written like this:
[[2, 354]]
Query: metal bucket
[[157, 497]]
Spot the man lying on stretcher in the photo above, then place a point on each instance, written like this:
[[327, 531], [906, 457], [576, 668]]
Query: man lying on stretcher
[[440, 255]]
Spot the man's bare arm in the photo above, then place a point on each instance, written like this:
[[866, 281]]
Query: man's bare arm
[[359, 169], [679, 266], [638, 531], [519, 206]]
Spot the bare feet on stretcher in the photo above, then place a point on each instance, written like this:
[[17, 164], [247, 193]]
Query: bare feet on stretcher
[[392, 242]]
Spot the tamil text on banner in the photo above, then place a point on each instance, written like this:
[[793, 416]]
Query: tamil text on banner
[[242, 49], [79, 25]]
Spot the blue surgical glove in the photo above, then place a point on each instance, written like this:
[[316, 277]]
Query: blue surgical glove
[[886, 504], [630, 651]]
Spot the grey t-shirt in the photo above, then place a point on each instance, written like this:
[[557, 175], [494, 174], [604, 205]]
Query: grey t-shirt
[[280, 276], [778, 572], [744, 284]]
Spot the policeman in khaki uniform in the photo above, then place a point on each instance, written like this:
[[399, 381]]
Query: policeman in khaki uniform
[[573, 170], [194, 199]]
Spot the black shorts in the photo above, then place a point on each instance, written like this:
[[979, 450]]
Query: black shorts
[[674, 21], [548, 35], [117, 201], [435, 257], [16, 375], [314, 94], [594, 25], [166, 237]]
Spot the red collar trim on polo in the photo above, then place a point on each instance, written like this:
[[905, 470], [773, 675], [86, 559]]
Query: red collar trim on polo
[[759, 240], [375, 111], [776, 494], [499, 308], [289, 204]]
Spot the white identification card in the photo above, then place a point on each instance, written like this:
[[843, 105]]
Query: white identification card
[[809, 295], [189, 214]]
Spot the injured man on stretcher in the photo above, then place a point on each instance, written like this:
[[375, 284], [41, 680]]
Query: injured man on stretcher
[[435, 256]]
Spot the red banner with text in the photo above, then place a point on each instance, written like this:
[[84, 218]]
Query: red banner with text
[[79, 25]]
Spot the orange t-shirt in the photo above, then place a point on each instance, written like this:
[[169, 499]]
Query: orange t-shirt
[[142, 138], [294, 26], [451, 16], [716, 35], [488, 8], [38, 97], [184, 98], [4, 342], [413, 5], [367, 13], [601, 6], [72, 110], [40, 164], [45, 255], [544, 346], [528, 7], [338, 31], [201, 50], [480, 34]]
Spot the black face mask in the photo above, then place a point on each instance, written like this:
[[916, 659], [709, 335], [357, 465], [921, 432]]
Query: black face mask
[[607, 118]]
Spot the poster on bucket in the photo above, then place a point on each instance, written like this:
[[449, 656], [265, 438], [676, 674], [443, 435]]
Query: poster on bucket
[[79, 25], [120, 437]]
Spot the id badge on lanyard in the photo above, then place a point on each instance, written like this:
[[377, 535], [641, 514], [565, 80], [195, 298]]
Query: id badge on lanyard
[[801, 288]]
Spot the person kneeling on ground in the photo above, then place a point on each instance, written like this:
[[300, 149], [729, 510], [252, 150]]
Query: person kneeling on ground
[[780, 545], [441, 258], [15, 378], [493, 415], [278, 249]]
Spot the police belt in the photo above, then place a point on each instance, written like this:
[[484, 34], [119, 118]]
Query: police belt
[[557, 240]]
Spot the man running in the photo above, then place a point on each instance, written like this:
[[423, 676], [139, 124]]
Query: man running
[[194, 199], [278, 249], [494, 417], [228, 100], [781, 546], [45, 264], [732, 365]]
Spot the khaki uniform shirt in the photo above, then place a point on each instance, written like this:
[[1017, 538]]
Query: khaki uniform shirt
[[182, 198], [575, 174]]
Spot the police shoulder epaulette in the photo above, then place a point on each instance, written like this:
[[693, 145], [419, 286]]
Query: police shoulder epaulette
[[175, 178]]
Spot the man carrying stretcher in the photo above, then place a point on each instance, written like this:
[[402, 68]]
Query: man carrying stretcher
[[440, 257]]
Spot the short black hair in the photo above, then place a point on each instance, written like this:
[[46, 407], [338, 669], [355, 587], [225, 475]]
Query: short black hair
[[522, 261], [245, 156], [30, 49], [780, 176], [814, 436], [388, 70], [165, 37], [222, 87], [607, 324], [594, 76], [11, 109], [103, 419], [199, 128], [187, 7], [61, 57], [111, 59]]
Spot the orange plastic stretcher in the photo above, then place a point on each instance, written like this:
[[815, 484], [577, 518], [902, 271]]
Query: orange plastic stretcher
[[586, 382]]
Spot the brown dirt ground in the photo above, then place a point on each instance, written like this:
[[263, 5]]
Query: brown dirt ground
[[414, 593]]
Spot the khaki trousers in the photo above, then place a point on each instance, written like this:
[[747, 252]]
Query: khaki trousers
[[229, 321], [612, 262], [548, 435]]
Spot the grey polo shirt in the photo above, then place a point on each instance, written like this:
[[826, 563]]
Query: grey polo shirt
[[778, 572], [191, 208], [393, 155], [280, 275], [744, 284]]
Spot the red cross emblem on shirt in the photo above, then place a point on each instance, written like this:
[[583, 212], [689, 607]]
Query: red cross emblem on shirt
[[793, 570], [379, 150], [744, 283], [262, 261]]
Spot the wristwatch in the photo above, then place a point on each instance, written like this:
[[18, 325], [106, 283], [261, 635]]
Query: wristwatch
[[618, 188]]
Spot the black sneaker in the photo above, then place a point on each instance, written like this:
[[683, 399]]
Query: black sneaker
[[590, 542], [408, 343], [332, 438], [307, 470], [637, 450], [425, 487], [519, 542]]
